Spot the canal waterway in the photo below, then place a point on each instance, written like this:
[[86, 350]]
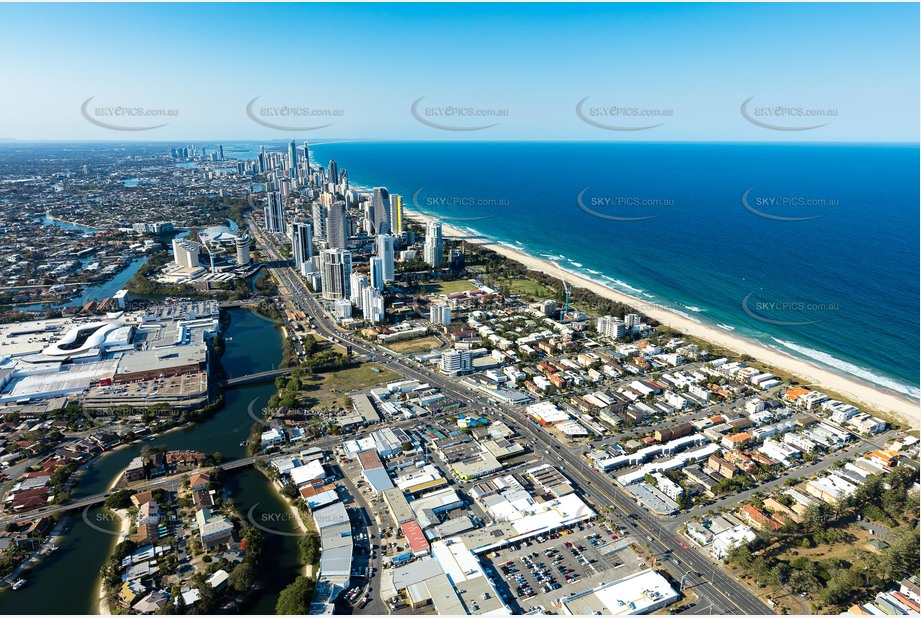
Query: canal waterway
[[66, 581]]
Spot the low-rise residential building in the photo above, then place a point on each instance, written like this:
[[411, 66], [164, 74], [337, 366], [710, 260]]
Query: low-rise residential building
[[272, 437], [726, 541], [215, 530]]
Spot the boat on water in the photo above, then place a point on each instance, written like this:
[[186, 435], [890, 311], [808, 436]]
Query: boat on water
[[243, 443], [19, 583]]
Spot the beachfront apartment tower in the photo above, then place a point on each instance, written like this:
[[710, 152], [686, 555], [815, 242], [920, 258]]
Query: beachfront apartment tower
[[274, 213], [332, 173], [612, 327], [337, 233], [335, 273], [384, 251], [433, 249], [185, 253], [396, 213], [301, 244], [380, 211]]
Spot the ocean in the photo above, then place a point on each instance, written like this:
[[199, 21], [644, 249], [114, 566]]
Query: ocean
[[811, 249]]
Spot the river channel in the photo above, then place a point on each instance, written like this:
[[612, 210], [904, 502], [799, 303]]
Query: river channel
[[66, 581]]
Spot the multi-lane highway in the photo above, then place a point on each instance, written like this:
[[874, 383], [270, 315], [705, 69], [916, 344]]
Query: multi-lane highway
[[719, 592]]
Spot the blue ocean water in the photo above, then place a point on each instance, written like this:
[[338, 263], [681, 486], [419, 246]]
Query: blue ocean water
[[818, 259]]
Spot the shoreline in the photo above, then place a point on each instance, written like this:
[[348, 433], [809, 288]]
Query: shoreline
[[872, 397], [73, 223], [296, 517], [102, 606]]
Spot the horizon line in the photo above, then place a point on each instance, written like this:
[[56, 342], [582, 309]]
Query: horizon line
[[335, 140]]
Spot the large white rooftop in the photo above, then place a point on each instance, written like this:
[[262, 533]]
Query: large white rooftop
[[638, 593]]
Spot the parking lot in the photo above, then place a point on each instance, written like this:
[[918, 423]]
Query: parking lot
[[539, 571]]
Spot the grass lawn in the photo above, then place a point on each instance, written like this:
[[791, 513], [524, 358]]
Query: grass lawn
[[325, 344], [415, 345], [331, 389], [448, 287], [526, 287]]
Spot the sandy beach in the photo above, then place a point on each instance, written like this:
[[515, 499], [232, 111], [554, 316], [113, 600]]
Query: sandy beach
[[298, 519], [870, 397], [124, 526]]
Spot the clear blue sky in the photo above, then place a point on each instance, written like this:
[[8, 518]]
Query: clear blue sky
[[536, 61]]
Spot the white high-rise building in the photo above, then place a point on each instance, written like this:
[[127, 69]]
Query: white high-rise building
[[611, 326], [242, 245], [632, 319], [185, 252], [372, 305], [320, 212], [274, 212], [433, 249], [385, 252], [337, 233], [440, 313], [377, 273], [357, 283], [335, 273], [454, 362], [342, 309], [301, 244]]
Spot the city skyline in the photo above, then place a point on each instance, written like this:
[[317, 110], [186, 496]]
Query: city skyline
[[704, 72], [460, 309]]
